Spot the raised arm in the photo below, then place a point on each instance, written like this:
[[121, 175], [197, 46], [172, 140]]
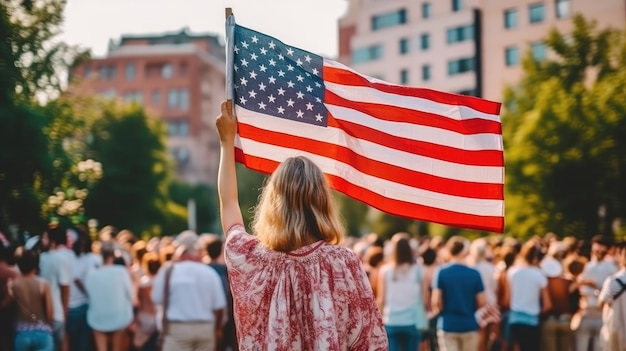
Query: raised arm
[[226, 123]]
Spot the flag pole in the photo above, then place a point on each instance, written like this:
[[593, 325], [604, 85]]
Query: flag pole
[[230, 52]]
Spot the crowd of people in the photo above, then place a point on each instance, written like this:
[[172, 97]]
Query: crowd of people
[[65, 292], [298, 284], [61, 291], [499, 293]]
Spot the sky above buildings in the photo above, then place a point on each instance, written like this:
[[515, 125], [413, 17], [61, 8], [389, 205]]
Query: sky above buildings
[[307, 24]]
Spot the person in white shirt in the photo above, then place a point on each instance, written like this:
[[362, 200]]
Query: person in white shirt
[[596, 270], [78, 331], [195, 300], [401, 297], [529, 297], [56, 266], [110, 292], [612, 300], [552, 264]]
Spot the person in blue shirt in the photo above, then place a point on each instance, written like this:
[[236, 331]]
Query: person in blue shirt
[[458, 292]]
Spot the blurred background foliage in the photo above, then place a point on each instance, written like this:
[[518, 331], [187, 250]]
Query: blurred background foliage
[[564, 129]]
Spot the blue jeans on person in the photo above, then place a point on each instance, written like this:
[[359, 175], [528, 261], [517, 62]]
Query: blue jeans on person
[[402, 338], [33, 340], [79, 334]]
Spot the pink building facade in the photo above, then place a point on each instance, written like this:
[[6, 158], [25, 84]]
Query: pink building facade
[[514, 27], [471, 47], [433, 44], [178, 77]]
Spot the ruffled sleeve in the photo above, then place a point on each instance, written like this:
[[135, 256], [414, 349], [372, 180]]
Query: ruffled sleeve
[[241, 250]]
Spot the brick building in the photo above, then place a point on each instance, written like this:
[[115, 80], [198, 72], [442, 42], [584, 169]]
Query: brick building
[[176, 76]]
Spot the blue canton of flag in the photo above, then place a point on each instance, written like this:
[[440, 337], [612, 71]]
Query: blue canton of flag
[[275, 79]]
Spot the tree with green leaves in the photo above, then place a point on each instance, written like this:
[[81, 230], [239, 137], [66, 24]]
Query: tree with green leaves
[[132, 193], [205, 198], [354, 215], [31, 67], [564, 130]]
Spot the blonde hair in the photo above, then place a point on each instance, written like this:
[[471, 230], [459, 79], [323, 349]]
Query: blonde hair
[[296, 208]]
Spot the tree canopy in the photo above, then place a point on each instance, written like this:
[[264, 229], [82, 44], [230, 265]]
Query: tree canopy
[[564, 130], [29, 63]]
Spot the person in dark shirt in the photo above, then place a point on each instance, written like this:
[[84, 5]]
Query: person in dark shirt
[[214, 247], [7, 313], [458, 292]]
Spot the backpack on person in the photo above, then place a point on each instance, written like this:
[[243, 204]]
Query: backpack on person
[[623, 289]]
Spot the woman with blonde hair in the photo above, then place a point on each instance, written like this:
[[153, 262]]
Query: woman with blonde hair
[[293, 287]]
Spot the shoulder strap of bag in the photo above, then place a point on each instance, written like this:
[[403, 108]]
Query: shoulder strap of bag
[[166, 299], [623, 285]]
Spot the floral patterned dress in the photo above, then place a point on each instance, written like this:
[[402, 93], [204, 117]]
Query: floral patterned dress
[[314, 298]]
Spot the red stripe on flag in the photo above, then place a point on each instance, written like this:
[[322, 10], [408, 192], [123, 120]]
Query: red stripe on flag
[[346, 77], [412, 210], [492, 158], [404, 115], [396, 207], [373, 167]]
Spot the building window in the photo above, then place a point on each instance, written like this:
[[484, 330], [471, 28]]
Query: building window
[[178, 98], [425, 41], [404, 76], [426, 10], [459, 66], [181, 155], [468, 92], [538, 50], [426, 73], [389, 19], [133, 96], [167, 71], [511, 56], [87, 71], [108, 94], [370, 53], [510, 18], [459, 34], [156, 97], [404, 46], [178, 128], [457, 5], [563, 8], [130, 71], [536, 13], [107, 72]]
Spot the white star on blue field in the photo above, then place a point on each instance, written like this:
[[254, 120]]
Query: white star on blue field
[[278, 80]]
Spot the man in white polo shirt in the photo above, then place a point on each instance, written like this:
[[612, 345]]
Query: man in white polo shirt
[[195, 302]]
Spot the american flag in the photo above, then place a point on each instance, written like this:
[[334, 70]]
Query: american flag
[[411, 152]]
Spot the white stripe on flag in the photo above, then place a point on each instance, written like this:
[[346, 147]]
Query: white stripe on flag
[[427, 165], [388, 189], [427, 134], [369, 95]]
